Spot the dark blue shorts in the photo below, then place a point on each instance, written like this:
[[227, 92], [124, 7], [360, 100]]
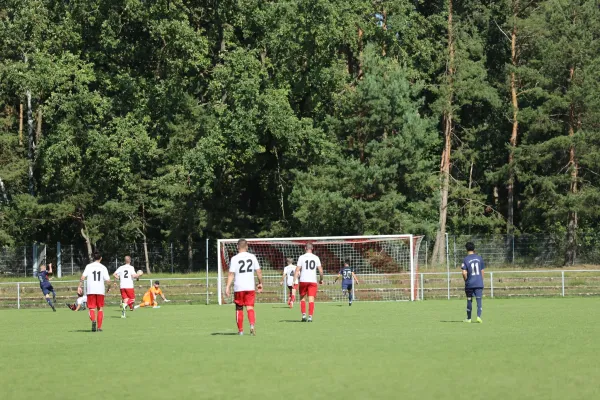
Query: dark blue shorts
[[478, 292], [347, 287], [47, 289]]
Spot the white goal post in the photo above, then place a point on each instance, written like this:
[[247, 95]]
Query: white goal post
[[386, 265]]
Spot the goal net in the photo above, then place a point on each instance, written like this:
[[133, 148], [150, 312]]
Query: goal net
[[385, 265]]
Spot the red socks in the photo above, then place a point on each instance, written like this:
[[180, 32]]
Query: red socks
[[131, 302], [92, 315], [293, 298], [251, 317], [303, 307], [100, 318], [239, 318], [311, 308]]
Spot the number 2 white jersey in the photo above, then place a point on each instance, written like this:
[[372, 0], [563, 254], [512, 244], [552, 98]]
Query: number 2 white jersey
[[289, 272], [96, 275], [243, 265], [125, 273], [308, 263]]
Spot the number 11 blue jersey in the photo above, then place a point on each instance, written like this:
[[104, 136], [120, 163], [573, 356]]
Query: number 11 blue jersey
[[474, 266]]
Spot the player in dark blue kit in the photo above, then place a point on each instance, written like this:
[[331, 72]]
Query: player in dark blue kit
[[348, 278], [46, 286], [472, 270]]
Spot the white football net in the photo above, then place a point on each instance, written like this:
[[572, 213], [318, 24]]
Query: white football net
[[386, 265]]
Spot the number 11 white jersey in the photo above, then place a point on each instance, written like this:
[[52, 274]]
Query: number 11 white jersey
[[96, 275], [243, 265], [308, 263]]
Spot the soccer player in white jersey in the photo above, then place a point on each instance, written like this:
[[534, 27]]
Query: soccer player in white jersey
[[241, 274], [306, 269], [96, 275], [126, 274], [290, 281]]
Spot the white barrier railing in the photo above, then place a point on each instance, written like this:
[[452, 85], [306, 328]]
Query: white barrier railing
[[381, 287]]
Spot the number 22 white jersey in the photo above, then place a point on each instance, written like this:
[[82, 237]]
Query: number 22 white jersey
[[96, 275], [308, 263], [243, 265], [125, 273]]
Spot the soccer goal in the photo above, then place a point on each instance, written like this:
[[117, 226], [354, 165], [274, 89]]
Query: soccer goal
[[386, 265]]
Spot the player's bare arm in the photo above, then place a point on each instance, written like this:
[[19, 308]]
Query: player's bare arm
[[50, 268], [355, 278], [282, 278], [260, 279], [79, 287], [229, 281], [465, 274], [337, 277], [297, 273], [320, 275]]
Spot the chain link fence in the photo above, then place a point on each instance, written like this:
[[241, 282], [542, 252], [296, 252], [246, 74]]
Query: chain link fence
[[523, 251]]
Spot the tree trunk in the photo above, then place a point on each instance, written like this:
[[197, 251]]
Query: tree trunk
[[4, 196], [87, 243], [146, 254], [280, 186], [190, 252], [30, 140], [515, 125], [440, 242], [38, 132], [470, 202], [571, 251], [21, 124]]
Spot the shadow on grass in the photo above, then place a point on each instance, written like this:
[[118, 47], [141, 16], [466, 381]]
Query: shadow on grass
[[82, 331], [223, 334], [290, 320], [452, 321]]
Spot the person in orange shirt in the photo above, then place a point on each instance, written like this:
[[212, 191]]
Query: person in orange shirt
[[150, 296]]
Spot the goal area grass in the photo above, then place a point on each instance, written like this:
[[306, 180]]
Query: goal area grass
[[539, 348]]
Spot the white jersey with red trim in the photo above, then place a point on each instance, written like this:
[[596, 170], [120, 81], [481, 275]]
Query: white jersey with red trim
[[308, 263], [125, 273], [96, 275], [243, 265]]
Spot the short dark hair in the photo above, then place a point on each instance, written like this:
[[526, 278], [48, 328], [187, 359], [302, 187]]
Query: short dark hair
[[156, 282], [347, 261], [470, 246], [97, 255]]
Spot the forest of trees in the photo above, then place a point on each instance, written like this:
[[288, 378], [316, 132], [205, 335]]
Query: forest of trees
[[173, 120]]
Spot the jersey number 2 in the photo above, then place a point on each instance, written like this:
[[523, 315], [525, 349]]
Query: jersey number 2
[[97, 276], [243, 265], [126, 274]]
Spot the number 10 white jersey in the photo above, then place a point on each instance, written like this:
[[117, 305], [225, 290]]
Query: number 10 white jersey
[[243, 265], [96, 275], [308, 264]]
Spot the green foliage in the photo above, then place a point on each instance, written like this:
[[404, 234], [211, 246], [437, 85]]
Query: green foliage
[[174, 120]]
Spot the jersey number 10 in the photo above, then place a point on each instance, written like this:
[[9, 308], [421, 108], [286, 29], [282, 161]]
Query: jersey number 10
[[310, 264]]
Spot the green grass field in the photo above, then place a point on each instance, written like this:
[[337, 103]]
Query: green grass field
[[526, 349]]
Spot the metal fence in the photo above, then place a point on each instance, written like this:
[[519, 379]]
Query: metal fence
[[373, 287], [523, 251]]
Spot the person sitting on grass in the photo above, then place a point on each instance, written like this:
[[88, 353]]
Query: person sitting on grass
[[80, 303], [150, 296]]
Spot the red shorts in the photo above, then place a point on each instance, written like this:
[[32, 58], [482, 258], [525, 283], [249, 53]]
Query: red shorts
[[308, 288], [293, 287], [245, 298], [95, 300], [127, 294]]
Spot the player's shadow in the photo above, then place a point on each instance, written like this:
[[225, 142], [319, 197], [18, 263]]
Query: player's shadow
[[82, 331], [451, 321], [290, 320], [223, 334]]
